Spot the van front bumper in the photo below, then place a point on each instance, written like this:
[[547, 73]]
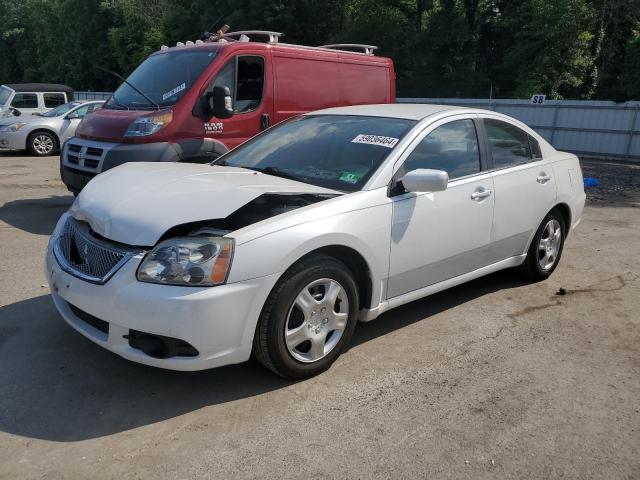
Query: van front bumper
[[219, 322], [81, 160]]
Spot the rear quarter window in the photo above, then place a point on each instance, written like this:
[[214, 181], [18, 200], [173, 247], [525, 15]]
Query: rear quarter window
[[52, 100]]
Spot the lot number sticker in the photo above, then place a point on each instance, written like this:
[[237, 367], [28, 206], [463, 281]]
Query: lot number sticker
[[388, 142]]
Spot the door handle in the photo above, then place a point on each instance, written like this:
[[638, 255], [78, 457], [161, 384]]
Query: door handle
[[480, 195], [543, 178], [265, 121]]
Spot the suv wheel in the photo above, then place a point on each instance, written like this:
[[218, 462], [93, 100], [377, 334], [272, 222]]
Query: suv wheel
[[308, 318], [42, 144]]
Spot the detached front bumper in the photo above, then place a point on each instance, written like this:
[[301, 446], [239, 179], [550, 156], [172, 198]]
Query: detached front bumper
[[219, 322]]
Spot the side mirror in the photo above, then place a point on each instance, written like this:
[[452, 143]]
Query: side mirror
[[425, 180], [73, 115], [15, 111], [220, 103]]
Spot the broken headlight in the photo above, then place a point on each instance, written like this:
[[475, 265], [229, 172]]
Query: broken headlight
[[191, 261]]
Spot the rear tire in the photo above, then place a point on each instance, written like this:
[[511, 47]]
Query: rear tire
[[546, 248], [308, 318], [42, 144]]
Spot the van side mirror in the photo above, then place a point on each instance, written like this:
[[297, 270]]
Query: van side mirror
[[425, 180], [220, 103], [15, 111]]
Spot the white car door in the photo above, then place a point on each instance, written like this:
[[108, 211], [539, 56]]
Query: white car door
[[440, 235], [524, 187]]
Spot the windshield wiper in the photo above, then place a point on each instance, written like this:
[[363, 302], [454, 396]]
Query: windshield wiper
[[276, 172], [130, 84]]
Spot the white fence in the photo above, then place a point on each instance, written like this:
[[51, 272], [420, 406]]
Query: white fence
[[588, 128]]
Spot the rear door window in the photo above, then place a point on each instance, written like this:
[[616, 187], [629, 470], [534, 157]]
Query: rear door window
[[52, 100], [25, 100], [452, 147], [509, 145]]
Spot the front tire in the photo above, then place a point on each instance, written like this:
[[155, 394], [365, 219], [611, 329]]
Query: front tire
[[42, 144], [546, 248], [308, 318]]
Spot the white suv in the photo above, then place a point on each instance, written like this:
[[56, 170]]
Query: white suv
[[29, 98], [280, 246]]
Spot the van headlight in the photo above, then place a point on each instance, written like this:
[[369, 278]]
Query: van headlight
[[149, 124], [191, 261]]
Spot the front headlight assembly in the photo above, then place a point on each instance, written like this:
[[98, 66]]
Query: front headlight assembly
[[189, 261], [14, 127]]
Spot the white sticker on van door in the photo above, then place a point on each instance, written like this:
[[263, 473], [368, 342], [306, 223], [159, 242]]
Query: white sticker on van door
[[388, 142], [171, 93]]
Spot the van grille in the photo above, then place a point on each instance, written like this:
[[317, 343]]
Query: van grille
[[86, 257], [85, 157]]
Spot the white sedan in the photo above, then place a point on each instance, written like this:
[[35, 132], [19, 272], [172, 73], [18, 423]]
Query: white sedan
[[279, 247]]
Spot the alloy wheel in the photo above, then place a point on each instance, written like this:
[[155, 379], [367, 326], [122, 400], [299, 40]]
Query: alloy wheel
[[549, 244], [316, 320]]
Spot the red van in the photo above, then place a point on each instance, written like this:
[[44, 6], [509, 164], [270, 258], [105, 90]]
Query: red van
[[194, 101]]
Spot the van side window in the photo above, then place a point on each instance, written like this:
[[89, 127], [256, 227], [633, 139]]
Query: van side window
[[452, 147], [509, 145], [52, 100], [246, 85], [25, 100]]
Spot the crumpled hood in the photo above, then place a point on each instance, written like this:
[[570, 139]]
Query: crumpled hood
[[138, 202]]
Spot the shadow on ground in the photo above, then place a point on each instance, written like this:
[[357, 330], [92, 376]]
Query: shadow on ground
[[35, 215], [56, 385]]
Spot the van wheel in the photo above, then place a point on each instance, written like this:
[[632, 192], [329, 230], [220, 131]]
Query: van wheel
[[546, 248], [307, 319], [41, 144]]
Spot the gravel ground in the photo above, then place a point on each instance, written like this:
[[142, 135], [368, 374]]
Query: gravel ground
[[497, 378]]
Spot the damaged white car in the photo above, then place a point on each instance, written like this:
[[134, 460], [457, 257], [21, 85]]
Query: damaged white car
[[280, 246]]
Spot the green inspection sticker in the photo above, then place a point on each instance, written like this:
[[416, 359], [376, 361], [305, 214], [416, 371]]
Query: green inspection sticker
[[350, 177]]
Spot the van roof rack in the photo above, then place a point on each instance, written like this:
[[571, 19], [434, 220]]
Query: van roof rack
[[272, 36], [366, 49]]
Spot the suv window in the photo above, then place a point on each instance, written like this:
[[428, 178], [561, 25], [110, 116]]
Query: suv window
[[452, 147], [247, 85], [25, 100], [52, 100], [509, 145]]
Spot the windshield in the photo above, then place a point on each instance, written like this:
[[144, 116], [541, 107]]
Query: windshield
[[163, 77], [61, 109], [5, 93], [340, 152]]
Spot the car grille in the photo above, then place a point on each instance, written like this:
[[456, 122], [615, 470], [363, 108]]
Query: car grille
[[86, 157], [86, 257]]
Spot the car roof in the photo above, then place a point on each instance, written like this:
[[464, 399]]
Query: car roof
[[409, 111], [39, 87]]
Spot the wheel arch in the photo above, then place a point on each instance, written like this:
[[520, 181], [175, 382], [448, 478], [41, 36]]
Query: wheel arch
[[565, 211], [43, 130]]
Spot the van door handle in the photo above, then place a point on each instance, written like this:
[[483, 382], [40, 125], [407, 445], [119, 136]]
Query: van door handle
[[480, 195], [543, 178], [265, 121]]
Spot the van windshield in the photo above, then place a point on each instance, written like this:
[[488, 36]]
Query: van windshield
[[5, 93], [163, 77], [340, 152]]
